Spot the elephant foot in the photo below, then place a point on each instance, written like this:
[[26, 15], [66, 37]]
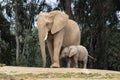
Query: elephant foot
[[55, 65], [85, 71]]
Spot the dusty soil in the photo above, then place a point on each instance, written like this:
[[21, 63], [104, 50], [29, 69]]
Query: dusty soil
[[37, 73]]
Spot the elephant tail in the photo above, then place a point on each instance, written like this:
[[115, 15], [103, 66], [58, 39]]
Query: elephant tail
[[92, 57]]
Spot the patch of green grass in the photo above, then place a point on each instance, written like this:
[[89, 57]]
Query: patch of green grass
[[110, 76], [31, 76], [6, 77], [61, 75], [3, 76]]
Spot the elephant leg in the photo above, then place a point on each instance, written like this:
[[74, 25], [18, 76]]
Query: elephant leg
[[69, 63], [85, 63], [58, 40], [50, 48], [75, 62]]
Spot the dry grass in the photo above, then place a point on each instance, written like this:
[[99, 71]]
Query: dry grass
[[33, 73], [30, 76]]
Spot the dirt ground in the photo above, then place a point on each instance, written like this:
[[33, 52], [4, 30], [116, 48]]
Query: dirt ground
[[37, 73]]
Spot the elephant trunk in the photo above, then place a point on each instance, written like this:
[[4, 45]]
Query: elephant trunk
[[42, 46]]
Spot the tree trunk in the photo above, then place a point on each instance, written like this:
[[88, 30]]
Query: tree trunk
[[67, 7], [0, 45], [16, 34], [17, 48]]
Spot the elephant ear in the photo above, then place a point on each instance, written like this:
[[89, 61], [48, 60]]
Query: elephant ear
[[72, 52], [59, 21]]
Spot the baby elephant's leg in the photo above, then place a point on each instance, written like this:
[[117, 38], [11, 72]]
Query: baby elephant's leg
[[85, 63], [68, 63], [75, 62]]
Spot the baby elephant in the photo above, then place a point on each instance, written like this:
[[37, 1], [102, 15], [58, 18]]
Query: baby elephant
[[75, 53]]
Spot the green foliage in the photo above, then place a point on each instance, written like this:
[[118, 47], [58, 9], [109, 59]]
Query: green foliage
[[96, 32], [3, 49], [34, 55], [99, 34], [113, 51]]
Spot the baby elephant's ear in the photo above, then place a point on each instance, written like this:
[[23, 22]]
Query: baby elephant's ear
[[72, 52]]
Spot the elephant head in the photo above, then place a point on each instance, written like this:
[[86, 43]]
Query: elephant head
[[68, 52], [64, 53], [72, 51], [51, 22]]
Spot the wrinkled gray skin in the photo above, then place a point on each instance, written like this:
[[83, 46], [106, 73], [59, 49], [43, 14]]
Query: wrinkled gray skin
[[75, 53]]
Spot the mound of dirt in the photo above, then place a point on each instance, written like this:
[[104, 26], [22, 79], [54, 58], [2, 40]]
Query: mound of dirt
[[37, 73]]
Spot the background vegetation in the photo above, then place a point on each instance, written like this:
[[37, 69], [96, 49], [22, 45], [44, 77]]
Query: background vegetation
[[99, 22]]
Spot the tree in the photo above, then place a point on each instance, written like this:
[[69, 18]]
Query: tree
[[16, 32], [22, 16], [66, 6], [5, 40], [96, 21]]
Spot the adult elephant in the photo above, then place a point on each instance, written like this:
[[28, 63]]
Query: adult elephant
[[59, 31]]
